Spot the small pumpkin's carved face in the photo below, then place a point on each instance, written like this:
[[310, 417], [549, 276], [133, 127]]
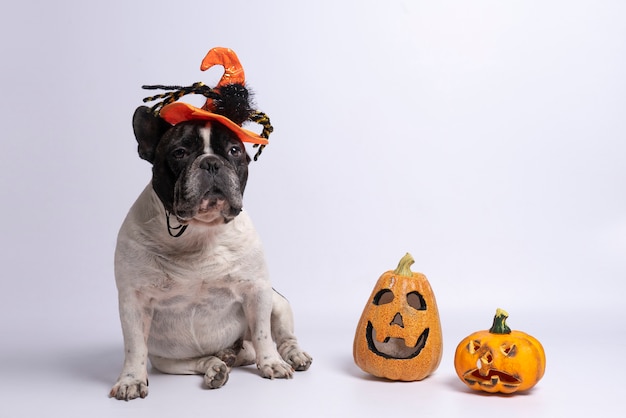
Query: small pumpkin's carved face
[[506, 363], [399, 334], [494, 365]]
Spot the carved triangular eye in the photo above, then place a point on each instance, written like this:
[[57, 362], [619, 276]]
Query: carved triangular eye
[[508, 350], [383, 296], [473, 346]]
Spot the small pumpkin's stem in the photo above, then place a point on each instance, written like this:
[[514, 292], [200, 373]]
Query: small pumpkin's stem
[[499, 323], [404, 266]]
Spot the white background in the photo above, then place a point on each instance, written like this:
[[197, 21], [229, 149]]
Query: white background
[[487, 138]]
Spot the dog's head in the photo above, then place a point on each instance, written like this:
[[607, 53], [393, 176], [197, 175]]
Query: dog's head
[[199, 168]]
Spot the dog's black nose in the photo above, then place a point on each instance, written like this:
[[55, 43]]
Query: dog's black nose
[[211, 164]]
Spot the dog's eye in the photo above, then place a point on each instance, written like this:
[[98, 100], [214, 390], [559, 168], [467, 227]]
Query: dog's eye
[[179, 153], [235, 151]]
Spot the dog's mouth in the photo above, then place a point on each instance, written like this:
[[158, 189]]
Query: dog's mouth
[[210, 202], [212, 207]]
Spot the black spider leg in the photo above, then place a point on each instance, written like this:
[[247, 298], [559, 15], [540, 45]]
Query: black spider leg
[[263, 120], [175, 93]]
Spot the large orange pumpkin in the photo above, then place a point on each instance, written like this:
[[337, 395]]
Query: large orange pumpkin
[[399, 334], [500, 360]]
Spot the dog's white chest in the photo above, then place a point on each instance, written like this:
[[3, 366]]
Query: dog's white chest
[[198, 309], [201, 320], [195, 284]]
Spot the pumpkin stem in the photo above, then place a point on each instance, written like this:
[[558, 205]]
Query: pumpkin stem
[[499, 323], [404, 266]]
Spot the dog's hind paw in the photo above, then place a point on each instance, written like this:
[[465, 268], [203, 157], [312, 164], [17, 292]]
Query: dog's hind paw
[[216, 374], [128, 388]]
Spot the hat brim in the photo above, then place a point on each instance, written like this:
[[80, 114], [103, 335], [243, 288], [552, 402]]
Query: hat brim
[[178, 112]]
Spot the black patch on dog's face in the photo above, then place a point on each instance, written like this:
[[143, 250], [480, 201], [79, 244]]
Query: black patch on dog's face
[[180, 145], [175, 151]]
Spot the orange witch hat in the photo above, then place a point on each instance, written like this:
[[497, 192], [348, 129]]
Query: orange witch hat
[[180, 112], [175, 112]]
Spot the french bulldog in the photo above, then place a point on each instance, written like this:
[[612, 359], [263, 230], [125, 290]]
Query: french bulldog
[[193, 286]]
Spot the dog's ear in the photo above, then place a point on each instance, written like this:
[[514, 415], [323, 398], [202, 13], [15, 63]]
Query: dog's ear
[[148, 130]]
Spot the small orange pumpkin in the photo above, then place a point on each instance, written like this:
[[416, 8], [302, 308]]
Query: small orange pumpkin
[[399, 334], [500, 360]]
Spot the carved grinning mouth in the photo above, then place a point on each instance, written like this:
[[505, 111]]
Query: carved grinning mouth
[[394, 348], [491, 379]]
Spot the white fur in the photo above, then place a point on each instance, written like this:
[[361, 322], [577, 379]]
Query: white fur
[[184, 301], [205, 133]]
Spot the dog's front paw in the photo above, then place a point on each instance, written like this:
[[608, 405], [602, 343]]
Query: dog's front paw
[[128, 388], [292, 354], [277, 369], [299, 360], [216, 374]]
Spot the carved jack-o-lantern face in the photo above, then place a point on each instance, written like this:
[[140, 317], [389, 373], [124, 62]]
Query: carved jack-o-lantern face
[[399, 334], [500, 360], [396, 326]]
